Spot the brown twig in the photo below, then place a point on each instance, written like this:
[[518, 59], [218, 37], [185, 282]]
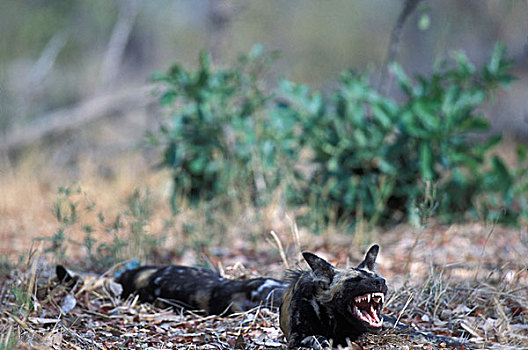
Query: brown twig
[[408, 9], [483, 249], [403, 310], [81, 338], [296, 235], [69, 118], [407, 266], [281, 249], [20, 322]]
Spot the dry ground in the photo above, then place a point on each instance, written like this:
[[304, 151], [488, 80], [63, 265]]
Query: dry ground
[[466, 281]]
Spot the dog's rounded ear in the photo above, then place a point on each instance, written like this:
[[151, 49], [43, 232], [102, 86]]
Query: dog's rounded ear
[[370, 258], [320, 266]]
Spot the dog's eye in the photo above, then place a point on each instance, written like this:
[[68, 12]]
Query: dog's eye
[[322, 284], [355, 279]]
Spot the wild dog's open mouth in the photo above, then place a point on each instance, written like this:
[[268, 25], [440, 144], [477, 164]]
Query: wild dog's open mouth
[[367, 308]]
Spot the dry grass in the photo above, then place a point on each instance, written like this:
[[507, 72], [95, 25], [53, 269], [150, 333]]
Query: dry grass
[[30, 190], [464, 281], [39, 312]]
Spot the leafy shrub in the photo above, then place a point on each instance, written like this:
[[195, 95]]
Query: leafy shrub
[[219, 140], [373, 154], [365, 155]]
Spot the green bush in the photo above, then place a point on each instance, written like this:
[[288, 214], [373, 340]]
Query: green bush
[[374, 153], [366, 155], [221, 140]]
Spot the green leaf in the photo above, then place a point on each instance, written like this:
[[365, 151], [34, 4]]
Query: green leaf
[[488, 144], [474, 124], [168, 98], [500, 168], [403, 80], [158, 76], [497, 54], [205, 60], [416, 131], [333, 164], [465, 68], [256, 51], [521, 153], [197, 165], [424, 22], [426, 161], [426, 114], [381, 115]]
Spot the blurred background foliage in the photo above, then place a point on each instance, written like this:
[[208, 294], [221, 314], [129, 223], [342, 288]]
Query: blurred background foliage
[[371, 155], [59, 60], [318, 39]]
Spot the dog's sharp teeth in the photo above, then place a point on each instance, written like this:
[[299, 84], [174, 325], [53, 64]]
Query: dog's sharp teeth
[[368, 297]]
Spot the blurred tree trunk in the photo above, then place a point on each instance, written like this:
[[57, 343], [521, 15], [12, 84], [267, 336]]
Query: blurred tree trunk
[[128, 11], [69, 118], [385, 80], [40, 70], [220, 17]]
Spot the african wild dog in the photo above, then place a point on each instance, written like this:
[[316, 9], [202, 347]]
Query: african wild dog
[[191, 288], [196, 288], [330, 304]]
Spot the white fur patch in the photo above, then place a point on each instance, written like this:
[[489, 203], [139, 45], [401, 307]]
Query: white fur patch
[[268, 284], [315, 307]]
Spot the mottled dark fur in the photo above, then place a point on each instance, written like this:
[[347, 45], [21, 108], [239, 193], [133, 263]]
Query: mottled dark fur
[[196, 288], [319, 305]]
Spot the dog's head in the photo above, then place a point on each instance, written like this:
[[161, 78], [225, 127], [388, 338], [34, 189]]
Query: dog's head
[[357, 294]]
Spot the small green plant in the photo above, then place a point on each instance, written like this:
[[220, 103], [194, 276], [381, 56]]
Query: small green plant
[[66, 211], [65, 208], [22, 300], [504, 189], [105, 242], [9, 339], [101, 255], [140, 211]]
